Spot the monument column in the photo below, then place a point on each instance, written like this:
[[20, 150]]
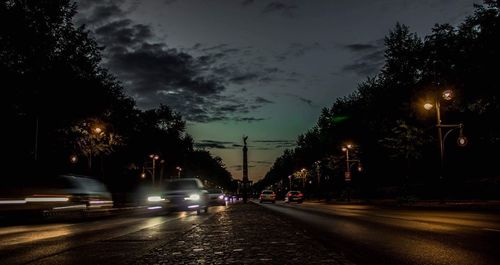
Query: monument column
[[245, 169]]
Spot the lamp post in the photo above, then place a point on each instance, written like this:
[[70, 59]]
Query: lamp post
[[153, 157], [303, 173], [461, 141], [179, 169], [97, 131], [348, 167], [290, 181]]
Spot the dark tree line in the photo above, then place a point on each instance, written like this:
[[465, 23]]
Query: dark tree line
[[396, 140], [63, 112]]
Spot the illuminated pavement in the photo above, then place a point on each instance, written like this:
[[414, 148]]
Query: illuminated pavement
[[374, 235], [238, 234], [108, 240], [310, 233], [245, 234]]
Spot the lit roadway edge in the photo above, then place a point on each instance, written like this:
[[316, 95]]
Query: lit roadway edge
[[375, 235], [88, 242]]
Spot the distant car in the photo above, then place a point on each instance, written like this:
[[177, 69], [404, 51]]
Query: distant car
[[267, 196], [294, 196], [60, 193], [216, 197], [186, 194]]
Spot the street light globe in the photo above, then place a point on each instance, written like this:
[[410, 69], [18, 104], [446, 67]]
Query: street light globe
[[349, 146], [428, 106], [344, 149], [97, 130], [462, 141], [447, 94]]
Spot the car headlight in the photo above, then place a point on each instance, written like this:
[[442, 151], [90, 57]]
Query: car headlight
[[193, 197], [155, 199]]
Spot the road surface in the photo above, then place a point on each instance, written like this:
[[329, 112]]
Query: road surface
[[106, 240], [374, 235]]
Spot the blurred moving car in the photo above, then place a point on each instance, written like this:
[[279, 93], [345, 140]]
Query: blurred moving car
[[294, 196], [216, 197], [54, 194], [267, 195], [185, 194]]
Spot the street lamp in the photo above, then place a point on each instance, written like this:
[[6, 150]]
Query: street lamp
[[179, 169], [290, 178], [153, 157], [73, 159], [98, 131], [348, 167], [347, 161], [461, 141]]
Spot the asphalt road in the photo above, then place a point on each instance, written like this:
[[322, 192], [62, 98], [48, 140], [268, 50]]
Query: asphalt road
[[374, 235], [102, 240]]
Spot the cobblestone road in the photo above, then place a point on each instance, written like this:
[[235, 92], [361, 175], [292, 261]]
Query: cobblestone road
[[243, 234]]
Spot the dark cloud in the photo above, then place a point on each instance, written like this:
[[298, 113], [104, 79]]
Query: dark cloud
[[263, 162], [356, 47], [369, 58], [301, 99], [263, 100], [269, 144], [101, 11], [243, 78], [216, 47], [153, 73], [305, 100], [296, 49], [249, 119], [362, 68], [211, 144], [280, 7], [233, 73], [231, 65]]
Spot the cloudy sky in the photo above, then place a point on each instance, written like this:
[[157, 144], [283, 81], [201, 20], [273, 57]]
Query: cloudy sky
[[259, 68]]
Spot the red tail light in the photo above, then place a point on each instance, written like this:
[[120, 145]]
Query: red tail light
[[300, 194]]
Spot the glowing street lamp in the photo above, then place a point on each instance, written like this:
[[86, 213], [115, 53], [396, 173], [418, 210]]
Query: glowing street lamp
[[98, 131], [154, 157], [348, 162], [461, 141], [179, 169]]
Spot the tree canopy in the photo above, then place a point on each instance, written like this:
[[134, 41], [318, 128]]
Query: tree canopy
[[396, 138], [56, 93]]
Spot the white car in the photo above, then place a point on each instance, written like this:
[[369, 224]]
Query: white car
[[267, 196], [216, 197], [186, 194]]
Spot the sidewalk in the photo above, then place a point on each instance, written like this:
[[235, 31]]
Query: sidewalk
[[243, 234]]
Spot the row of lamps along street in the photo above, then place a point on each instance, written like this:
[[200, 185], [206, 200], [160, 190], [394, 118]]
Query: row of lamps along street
[[462, 141], [154, 158]]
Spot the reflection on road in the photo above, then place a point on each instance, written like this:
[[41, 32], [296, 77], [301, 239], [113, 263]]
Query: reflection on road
[[52, 243], [393, 236]]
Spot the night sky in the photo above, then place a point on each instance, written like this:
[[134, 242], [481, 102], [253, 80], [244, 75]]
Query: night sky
[[248, 67]]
